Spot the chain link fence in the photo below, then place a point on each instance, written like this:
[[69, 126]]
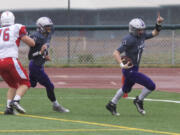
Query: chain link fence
[[94, 46]]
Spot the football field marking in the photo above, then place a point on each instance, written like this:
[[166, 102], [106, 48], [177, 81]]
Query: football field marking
[[58, 130], [98, 124], [131, 98], [158, 100]]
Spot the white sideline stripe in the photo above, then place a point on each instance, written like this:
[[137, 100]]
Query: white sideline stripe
[[158, 100]]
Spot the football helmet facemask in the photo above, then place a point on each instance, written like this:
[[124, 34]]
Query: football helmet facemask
[[44, 25], [136, 25]]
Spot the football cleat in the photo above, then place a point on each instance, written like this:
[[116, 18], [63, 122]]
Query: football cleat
[[15, 104], [9, 111], [139, 105], [112, 108], [61, 109]]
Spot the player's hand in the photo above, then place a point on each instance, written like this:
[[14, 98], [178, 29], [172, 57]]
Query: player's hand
[[43, 48], [47, 58], [159, 19], [126, 66]]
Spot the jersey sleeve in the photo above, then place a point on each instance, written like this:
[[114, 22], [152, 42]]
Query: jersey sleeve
[[148, 35], [126, 42], [20, 30], [37, 38], [34, 37]]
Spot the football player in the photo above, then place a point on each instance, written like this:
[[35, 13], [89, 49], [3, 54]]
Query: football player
[[38, 55], [132, 45], [11, 69]]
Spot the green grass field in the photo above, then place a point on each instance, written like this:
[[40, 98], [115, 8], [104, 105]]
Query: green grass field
[[88, 115]]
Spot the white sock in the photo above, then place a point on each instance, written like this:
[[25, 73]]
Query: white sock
[[144, 93], [8, 103], [117, 96], [55, 103], [17, 97]]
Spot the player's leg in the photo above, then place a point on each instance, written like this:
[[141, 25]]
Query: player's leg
[[44, 80], [22, 89], [32, 73], [10, 95], [111, 106], [20, 78], [138, 101], [145, 81], [5, 67], [37, 74], [149, 86]]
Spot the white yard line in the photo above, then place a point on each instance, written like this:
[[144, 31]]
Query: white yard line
[[158, 100]]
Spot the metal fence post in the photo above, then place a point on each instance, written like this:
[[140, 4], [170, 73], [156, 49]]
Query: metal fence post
[[68, 36], [173, 48]]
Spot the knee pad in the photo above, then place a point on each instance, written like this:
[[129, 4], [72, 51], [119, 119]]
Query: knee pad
[[152, 86]]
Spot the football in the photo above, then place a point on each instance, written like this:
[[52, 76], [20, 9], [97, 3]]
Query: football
[[125, 60]]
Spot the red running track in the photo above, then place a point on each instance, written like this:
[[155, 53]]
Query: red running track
[[166, 79]]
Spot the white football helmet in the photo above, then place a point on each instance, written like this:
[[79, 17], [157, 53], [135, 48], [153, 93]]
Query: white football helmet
[[44, 22], [136, 24], [7, 18]]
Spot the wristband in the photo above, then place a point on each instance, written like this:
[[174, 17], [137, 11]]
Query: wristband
[[121, 65], [158, 27], [36, 54]]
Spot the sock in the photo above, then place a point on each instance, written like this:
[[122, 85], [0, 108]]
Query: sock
[[55, 103], [117, 96], [17, 98], [144, 93], [8, 103]]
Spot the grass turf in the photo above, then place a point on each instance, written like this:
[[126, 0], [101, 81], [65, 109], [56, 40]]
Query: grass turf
[[89, 116]]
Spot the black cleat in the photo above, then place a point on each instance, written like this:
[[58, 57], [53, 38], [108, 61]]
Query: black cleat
[[9, 111], [15, 104], [112, 108], [139, 105]]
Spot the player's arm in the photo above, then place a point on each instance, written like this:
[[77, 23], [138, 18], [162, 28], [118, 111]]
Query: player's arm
[[43, 51], [21, 30], [27, 40], [126, 42], [118, 58], [158, 26]]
